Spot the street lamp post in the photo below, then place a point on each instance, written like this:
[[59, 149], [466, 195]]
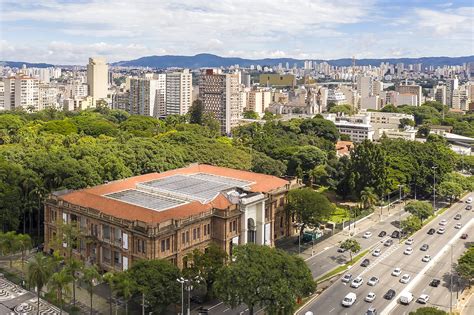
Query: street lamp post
[[182, 280], [400, 216], [451, 284], [434, 187], [187, 284]]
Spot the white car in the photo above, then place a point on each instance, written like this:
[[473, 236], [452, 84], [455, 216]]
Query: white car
[[377, 252], [408, 251], [443, 222], [426, 258], [357, 282], [405, 278], [370, 297], [349, 299], [373, 281], [423, 299], [469, 200], [367, 234], [441, 230], [409, 241], [458, 226], [396, 272], [347, 277]]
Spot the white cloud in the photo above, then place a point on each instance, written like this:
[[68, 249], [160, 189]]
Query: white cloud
[[447, 23]]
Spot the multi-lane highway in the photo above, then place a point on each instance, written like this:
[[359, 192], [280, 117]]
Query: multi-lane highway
[[421, 273]]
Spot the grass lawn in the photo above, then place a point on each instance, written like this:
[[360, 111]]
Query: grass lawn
[[341, 214]]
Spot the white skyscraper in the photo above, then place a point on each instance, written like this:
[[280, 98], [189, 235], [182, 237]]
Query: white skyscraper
[[143, 93], [452, 86], [21, 91], [179, 88], [97, 77]]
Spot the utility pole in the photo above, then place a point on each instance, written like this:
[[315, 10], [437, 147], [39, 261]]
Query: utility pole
[[451, 284], [400, 216], [434, 187]]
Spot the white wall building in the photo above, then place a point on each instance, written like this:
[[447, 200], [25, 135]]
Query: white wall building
[[21, 91], [179, 89], [97, 77]]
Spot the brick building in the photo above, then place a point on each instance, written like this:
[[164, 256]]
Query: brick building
[[168, 215]]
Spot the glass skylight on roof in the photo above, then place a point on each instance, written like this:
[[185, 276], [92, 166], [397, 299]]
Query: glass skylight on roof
[[146, 200]]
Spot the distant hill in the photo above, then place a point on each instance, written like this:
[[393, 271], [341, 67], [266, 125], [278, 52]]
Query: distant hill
[[19, 64], [209, 60]]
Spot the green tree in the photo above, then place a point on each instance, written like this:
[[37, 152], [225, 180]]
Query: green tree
[[465, 265], [307, 157], [9, 245], [423, 131], [40, 269], [368, 198], [428, 311], [24, 244], [59, 283], [156, 279], [124, 286], [420, 209], [451, 190], [309, 206], [206, 265], [210, 121], [406, 122], [89, 278], [320, 127], [73, 268], [109, 278], [265, 276], [344, 108], [411, 224], [351, 245], [250, 114], [196, 112]]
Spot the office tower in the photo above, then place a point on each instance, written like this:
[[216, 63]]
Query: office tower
[[143, 92], [364, 86], [451, 86], [21, 91], [97, 77], [220, 95], [179, 88]]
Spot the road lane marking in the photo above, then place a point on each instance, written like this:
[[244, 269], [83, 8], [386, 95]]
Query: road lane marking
[[387, 310], [332, 309], [214, 306]]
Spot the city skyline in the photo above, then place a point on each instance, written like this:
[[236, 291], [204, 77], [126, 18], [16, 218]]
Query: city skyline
[[63, 32]]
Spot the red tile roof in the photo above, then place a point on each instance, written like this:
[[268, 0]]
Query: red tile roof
[[93, 197]]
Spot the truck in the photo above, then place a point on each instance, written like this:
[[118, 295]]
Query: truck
[[406, 298]]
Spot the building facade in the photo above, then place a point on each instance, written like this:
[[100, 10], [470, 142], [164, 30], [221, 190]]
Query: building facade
[[97, 77], [168, 215], [21, 91], [179, 88]]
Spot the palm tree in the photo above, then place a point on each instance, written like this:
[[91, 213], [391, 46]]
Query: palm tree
[[24, 243], [90, 274], [59, 282], [73, 266], [368, 197], [125, 287], [39, 272], [109, 277]]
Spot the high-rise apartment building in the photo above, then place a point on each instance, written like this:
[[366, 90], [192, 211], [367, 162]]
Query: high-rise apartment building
[[48, 96], [451, 86], [364, 86], [410, 89], [220, 94], [440, 94], [143, 92], [179, 88], [2, 95], [97, 77], [259, 100], [21, 91]]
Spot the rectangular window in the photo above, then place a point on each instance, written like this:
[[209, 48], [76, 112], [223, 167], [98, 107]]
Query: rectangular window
[[183, 238], [230, 226], [199, 233], [194, 234], [281, 222], [163, 244], [282, 201], [187, 236], [168, 244]]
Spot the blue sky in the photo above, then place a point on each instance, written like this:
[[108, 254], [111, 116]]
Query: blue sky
[[68, 32]]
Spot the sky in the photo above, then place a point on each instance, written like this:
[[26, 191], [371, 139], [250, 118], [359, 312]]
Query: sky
[[70, 31]]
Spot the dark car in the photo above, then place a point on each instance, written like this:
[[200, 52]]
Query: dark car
[[457, 217], [435, 282], [395, 234], [382, 234], [365, 263], [431, 231], [464, 236], [424, 247], [389, 295], [468, 207], [388, 242]]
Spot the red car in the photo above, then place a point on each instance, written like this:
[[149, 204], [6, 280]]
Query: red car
[[464, 236]]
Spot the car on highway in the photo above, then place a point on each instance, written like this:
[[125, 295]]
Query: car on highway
[[423, 299], [441, 230], [357, 282], [376, 252], [388, 242], [406, 298], [468, 207], [443, 222], [396, 272], [458, 226], [435, 283], [409, 241], [371, 311], [365, 263], [382, 233], [370, 297], [373, 281], [458, 216], [346, 278], [395, 234], [405, 278], [408, 251], [424, 247], [349, 299], [367, 234], [341, 250], [426, 258], [464, 236], [469, 200], [390, 294], [431, 231]]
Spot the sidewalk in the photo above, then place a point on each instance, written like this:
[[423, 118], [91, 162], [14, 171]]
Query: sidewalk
[[308, 250]]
